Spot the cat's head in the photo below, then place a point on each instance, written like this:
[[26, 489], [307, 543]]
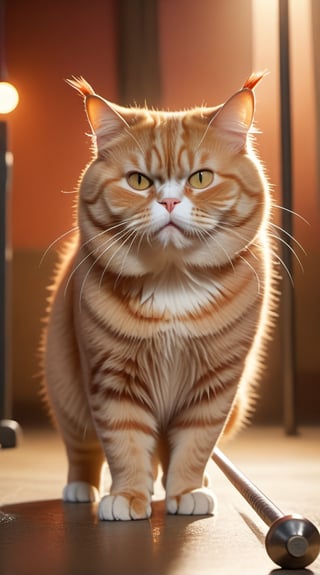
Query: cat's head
[[170, 186]]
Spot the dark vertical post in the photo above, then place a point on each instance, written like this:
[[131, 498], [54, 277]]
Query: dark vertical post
[[9, 429], [288, 309], [138, 52], [315, 27], [4, 399]]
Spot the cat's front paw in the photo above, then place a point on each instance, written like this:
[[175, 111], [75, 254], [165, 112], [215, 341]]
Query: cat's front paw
[[80, 492], [196, 502], [120, 507]]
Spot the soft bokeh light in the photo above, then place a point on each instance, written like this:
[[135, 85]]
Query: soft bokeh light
[[9, 97]]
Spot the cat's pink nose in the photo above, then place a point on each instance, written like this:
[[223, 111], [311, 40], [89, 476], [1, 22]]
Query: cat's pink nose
[[170, 203]]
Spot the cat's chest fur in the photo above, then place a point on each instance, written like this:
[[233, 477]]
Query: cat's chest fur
[[175, 300], [165, 331], [174, 292], [143, 307]]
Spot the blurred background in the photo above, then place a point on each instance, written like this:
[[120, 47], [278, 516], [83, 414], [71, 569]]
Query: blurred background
[[173, 54]]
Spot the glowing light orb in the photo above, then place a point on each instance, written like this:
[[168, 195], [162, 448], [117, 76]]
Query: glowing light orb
[[9, 98]]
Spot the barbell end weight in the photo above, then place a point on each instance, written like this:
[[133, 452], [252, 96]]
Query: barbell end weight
[[293, 542]]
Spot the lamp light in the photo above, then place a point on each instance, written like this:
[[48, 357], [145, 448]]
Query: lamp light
[[9, 97]]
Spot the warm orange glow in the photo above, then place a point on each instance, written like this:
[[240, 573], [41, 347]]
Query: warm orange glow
[[9, 98]]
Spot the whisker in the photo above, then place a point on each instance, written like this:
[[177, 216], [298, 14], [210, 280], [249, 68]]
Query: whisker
[[106, 230], [135, 140], [254, 272], [50, 246], [144, 233], [77, 267], [291, 212], [281, 230], [289, 248], [230, 231], [134, 233], [130, 233], [204, 134], [205, 234], [212, 237], [89, 254], [107, 246]]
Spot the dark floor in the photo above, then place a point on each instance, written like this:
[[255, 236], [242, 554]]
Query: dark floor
[[41, 535]]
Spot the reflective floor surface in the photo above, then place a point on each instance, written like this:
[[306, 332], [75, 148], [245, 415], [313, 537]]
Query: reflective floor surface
[[41, 535]]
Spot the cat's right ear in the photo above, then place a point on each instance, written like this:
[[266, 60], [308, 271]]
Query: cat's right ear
[[104, 118]]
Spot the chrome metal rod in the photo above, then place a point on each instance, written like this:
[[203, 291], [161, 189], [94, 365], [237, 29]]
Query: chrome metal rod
[[262, 505], [293, 542]]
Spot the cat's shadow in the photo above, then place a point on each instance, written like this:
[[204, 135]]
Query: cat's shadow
[[59, 538], [65, 538]]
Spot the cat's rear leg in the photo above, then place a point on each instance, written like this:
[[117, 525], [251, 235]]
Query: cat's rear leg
[[83, 449], [85, 459], [64, 389]]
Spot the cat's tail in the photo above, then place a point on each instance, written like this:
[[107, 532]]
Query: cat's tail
[[81, 85]]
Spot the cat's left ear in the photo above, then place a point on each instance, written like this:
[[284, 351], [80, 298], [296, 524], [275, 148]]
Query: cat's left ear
[[234, 119]]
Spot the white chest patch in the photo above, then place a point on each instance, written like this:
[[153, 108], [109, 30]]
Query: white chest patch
[[178, 292]]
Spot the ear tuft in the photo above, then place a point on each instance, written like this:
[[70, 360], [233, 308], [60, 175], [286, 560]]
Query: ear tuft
[[104, 118], [254, 79], [81, 85]]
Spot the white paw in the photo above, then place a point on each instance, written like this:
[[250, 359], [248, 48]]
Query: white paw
[[118, 507], [80, 492], [197, 502]]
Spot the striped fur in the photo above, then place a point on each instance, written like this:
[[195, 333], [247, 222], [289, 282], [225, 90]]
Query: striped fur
[[161, 303]]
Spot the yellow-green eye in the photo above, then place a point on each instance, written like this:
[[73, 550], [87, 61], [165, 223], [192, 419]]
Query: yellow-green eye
[[138, 181], [201, 179]]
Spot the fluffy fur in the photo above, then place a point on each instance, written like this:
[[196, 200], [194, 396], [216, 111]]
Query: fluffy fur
[[161, 302]]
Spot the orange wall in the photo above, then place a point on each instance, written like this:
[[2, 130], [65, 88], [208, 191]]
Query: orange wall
[[205, 56], [47, 42], [206, 50], [306, 192]]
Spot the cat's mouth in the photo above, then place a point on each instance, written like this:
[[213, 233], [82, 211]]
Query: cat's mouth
[[171, 225], [171, 234]]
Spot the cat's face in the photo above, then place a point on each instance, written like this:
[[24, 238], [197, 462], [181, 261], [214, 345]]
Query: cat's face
[[171, 186]]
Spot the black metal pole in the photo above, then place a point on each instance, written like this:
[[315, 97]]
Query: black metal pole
[[288, 308], [9, 429], [4, 399]]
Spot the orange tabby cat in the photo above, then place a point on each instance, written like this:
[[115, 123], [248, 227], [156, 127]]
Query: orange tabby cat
[[161, 302]]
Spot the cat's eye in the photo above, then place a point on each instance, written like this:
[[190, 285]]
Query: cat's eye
[[201, 179], [138, 181]]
